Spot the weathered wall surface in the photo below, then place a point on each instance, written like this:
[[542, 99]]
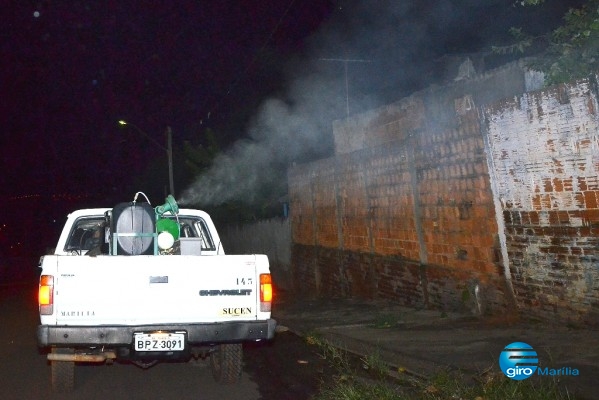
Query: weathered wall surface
[[405, 210], [271, 237], [545, 151], [408, 209]]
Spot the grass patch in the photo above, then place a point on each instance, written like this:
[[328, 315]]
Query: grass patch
[[355, 390], [492, 386], [375, 365], [334, 355], [368, 377], [384, 321]]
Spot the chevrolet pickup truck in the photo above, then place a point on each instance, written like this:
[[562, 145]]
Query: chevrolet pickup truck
[[139, 284]]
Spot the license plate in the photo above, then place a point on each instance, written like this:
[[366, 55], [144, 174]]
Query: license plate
[[159, 341]]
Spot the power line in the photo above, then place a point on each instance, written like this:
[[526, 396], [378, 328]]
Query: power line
[[346, 61]]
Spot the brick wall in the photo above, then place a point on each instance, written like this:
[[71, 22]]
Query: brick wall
[[404, 210], [444, 201], [545, 151]]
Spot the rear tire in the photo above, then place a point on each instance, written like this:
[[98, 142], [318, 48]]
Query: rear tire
[[226, 363], [63, 373]]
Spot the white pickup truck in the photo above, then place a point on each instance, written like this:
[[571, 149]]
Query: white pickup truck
[[143, 284]]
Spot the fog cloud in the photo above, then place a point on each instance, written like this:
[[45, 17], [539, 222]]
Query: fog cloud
[[390, 49], [284, 131]]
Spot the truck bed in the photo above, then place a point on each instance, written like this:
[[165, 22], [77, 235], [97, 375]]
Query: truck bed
[[138, 290]]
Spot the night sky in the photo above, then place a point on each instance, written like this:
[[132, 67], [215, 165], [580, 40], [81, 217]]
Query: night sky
[[257, 72], [72, 69]]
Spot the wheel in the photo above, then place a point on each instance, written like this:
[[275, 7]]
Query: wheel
[[226, 363], [63, 372]]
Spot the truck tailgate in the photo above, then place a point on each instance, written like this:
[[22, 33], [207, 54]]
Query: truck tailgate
[[132, 290]]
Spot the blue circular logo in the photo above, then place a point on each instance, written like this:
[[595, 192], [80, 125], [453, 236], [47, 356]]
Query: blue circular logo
[[518, 361]]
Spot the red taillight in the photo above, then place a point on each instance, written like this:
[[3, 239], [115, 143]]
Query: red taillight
[[265, 292], [46, 294]]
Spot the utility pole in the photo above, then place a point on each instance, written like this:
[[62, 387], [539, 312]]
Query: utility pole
[[345, 61], [169, 150]]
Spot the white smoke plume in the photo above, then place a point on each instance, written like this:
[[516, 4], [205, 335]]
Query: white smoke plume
[[283, 132], [394, 45]]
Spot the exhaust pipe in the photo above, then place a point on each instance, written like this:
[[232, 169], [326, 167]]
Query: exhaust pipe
[[83, 357]]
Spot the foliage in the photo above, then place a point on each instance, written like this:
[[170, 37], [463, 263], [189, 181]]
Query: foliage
[[198, 157], [573, 48], [236, 212]]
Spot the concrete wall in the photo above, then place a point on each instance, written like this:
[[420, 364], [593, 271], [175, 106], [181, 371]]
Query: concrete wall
[[271, 237], [407, 209]]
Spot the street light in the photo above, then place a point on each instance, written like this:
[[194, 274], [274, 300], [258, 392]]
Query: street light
[[168, 149]]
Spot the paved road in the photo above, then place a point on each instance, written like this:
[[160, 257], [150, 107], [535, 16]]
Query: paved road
[[25, 374]]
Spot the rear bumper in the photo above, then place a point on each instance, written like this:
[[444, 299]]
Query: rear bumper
[[119, 335]]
